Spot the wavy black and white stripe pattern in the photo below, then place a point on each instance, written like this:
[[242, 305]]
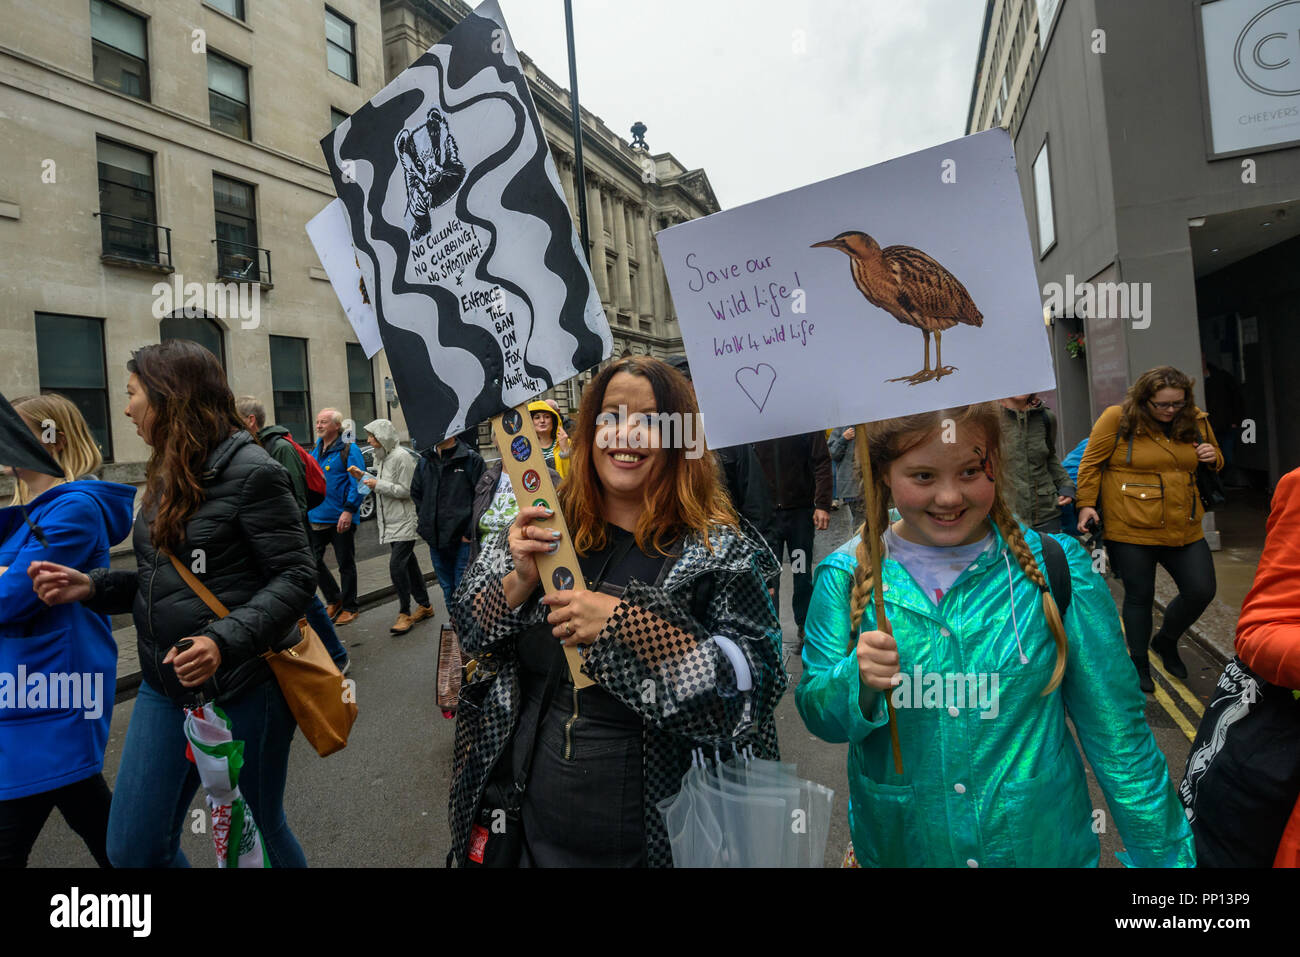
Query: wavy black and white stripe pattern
[[448, 166]]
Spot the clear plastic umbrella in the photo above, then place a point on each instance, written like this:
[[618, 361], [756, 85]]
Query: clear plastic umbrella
[[694, 832], [747, 812]]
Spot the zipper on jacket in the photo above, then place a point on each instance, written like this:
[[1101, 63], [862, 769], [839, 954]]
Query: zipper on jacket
[[152, 636], [568, 727]]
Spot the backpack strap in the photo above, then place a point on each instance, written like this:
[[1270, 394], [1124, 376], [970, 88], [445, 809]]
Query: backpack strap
[[1058, 572]]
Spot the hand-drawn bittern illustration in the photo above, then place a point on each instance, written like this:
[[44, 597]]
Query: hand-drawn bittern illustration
[[913, 288]]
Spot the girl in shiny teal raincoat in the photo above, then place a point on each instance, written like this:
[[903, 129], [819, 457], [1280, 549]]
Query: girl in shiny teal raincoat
[[982, 672]]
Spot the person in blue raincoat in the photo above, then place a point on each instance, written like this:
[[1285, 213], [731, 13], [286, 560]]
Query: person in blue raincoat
[[982, 671], [58, 666]]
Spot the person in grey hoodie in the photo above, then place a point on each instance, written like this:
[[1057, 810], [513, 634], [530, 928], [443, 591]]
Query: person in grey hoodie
[[396, 515], [1036, 479]]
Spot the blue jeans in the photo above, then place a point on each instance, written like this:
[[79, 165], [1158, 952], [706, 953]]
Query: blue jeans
[[156, 782], [319, 619], [449, 564]]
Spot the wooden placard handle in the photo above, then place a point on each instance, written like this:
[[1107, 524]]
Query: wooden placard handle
[[878, 591], [522, 459]]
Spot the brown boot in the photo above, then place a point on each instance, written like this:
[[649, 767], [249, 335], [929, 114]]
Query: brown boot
[[422, 612], [402, 625], [333, 609], [346, 618]]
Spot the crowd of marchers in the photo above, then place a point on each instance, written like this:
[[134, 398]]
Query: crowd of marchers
[[987, 542]]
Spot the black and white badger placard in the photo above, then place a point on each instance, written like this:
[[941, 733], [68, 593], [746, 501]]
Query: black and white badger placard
[[483, 296]]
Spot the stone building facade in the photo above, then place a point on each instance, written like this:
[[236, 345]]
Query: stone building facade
[[146, 145]]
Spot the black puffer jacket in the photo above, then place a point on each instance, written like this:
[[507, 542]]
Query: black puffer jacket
[[247, 544]]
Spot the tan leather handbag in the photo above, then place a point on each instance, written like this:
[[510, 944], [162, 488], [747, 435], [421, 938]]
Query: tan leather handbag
[[320, 698]]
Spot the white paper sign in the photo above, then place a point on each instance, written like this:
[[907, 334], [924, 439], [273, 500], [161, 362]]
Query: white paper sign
[[1252, 70], [329, 233], [782, 333]]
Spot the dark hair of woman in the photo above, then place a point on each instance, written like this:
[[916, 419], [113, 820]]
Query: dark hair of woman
[[193, 412], [686, 496], [1136, 410]]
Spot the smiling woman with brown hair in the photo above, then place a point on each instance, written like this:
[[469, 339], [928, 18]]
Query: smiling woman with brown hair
[[676, 629]]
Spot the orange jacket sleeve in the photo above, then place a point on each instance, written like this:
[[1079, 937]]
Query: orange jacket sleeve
[[1268, 630], [1101, 445]]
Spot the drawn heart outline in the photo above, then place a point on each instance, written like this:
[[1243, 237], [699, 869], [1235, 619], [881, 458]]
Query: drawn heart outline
[[755, 381]]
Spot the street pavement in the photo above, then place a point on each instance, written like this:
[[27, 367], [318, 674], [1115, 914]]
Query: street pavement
[[382, 801]]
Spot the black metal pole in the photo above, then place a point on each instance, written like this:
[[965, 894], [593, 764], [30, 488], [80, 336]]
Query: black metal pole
[[580, 184]]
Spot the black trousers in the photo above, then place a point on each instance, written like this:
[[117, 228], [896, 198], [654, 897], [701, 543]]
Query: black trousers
[[1192, 570], [84, 805], [404, 570], [345, 551], [792, 530]]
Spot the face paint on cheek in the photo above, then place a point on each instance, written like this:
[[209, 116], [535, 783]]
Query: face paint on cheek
[[986, 463]]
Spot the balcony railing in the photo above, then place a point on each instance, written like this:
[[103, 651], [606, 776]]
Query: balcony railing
[[135, 241], [242, 262]]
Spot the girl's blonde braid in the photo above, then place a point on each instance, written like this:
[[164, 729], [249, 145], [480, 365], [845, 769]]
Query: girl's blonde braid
[[863, 578]]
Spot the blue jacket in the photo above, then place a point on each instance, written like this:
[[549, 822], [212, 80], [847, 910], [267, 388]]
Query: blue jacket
[[991, 774], [340, 488], [44, 749], [1071, 461]]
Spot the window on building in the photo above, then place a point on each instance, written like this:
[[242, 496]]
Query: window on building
[[70, 361], [1043, 201], [234, 8], [202, 329], [340, 45], [127, 211], [336, 117], [361, 386], [290, 387], [228, 97], [237, 252], [119, 49]]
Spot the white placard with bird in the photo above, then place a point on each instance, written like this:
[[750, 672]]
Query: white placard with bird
[[900, 288]]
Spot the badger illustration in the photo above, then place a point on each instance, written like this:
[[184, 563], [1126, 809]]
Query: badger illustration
[[432, 167]]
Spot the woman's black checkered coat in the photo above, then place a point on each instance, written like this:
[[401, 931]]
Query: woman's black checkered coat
[[682, 685]]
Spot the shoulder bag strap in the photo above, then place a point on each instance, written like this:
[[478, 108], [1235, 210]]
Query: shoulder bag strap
[[1058, 573], [516, 798], [197, 586]]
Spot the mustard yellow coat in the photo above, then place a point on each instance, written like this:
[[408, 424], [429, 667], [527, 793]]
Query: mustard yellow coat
[[1150, 498]]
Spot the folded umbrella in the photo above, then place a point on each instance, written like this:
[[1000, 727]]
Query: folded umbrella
[[20, 449], [219, 759], [747, 812]]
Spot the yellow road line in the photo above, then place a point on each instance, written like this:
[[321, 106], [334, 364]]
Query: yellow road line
[[1167, 703], [1183, 691]]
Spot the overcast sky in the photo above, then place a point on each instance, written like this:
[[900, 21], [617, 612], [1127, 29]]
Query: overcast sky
[[721, 85]]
